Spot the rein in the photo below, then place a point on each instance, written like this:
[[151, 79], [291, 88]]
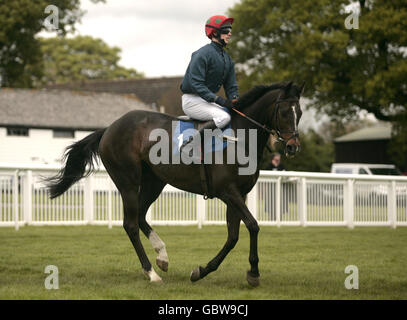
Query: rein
[[262, 126], [276, 131]]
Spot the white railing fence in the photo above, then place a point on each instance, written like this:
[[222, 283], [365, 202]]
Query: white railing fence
[[278, 198]]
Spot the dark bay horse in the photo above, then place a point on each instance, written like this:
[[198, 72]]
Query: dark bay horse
[[124, 148]]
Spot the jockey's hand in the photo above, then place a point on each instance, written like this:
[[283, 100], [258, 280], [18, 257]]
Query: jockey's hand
[[235, 103], [224, 102]]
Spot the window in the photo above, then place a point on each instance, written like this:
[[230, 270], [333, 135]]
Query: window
[[343, 170], [22, 132], [362, 171], [386, 171], [63, 133]]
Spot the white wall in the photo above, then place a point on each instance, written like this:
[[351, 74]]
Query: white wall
[[39, 147]]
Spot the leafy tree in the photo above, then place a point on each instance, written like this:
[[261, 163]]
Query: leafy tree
[[345, 71], [81, 58], [20, 22], [332, 129], [398, 144]]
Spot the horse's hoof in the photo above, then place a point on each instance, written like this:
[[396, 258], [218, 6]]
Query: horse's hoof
[[163, 265], [153, 276], [254, 281], [160, 281], [195, 274]]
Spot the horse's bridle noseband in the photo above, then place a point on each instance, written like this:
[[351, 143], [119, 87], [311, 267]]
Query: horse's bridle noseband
[[276, 131]]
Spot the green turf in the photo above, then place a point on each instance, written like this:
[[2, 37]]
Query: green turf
[[295, 263]]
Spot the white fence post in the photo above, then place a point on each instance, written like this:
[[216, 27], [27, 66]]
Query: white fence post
[[200, 210], [392, 205], [278, 201], [302, 201], [15, 199], [149, 215], [252, 201], [348, 203], [28, 196], [88, 199]]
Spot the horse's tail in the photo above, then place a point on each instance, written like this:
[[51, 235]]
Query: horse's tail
[[77, 156]]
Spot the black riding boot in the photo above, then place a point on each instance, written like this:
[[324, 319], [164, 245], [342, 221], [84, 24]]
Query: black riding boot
[[209, 125]]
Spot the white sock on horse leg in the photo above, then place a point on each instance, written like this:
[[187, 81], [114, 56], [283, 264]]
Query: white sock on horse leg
[[154, 277], [158, 245]]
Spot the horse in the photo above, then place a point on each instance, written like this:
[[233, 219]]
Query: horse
[[124, 148]]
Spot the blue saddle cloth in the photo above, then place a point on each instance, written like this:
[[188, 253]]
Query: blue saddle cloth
[[185, 129]]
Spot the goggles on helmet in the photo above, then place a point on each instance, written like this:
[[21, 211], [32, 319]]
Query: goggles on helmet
[[225, 30]]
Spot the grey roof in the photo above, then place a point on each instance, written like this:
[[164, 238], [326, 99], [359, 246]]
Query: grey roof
[[149, 90], [164, 91], [63, 108], [381, 131]]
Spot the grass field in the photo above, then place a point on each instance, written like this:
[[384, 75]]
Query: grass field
[[295, 263]]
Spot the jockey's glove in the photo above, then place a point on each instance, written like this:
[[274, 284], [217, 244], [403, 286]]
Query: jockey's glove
[[224, 102]]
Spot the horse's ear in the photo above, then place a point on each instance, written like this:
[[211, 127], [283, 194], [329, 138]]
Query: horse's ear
[[288, 86], [302, 88]]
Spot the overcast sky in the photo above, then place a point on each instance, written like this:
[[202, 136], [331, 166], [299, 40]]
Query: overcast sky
[[156, 37]]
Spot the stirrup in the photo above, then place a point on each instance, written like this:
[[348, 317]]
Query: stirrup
[[185, 143], [230, 138]]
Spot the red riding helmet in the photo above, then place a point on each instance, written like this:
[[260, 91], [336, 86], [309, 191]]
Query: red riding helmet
[[214, 23]]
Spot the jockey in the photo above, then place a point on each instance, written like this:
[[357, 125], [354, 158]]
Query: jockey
[[210, 68]]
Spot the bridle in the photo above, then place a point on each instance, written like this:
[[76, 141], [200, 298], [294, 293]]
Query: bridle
[[276, 131]]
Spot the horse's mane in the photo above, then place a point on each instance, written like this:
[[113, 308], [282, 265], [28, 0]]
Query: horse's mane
[[256, 93]]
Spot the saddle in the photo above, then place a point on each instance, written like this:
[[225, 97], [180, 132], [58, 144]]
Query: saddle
[[198, 124], [205, 174]]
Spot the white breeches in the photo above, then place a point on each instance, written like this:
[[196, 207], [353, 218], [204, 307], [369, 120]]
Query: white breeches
[[197, 108]]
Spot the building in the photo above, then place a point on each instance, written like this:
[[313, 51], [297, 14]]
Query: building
[[367, 145], [164, 95], [161, 94], [37, 125]]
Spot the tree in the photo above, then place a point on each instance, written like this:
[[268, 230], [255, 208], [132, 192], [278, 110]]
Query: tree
[[345, 70], [333, 129], [81, 58], [20, 22], [398, 146]]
